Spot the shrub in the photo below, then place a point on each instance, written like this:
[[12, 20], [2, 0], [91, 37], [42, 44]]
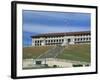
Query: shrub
[[54, 66], [46, 65]]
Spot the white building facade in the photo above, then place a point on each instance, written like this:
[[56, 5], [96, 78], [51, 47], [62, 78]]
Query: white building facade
[[62, 39]]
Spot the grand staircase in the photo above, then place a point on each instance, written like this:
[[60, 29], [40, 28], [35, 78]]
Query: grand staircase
[[52, 53]]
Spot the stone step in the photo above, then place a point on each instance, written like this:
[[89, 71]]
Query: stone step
[[52, 53]]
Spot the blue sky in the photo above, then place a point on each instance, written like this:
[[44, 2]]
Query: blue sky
[[36, 22]]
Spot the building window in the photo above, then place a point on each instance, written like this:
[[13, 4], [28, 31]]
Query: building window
[[89, 38], [83, 38], [51, 41], [54, 40], [86, 38], [45, 41], [57, 40], [62, 40], [35, 41], [76, 39]]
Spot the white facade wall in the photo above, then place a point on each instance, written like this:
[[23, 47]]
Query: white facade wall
[[64, 40]]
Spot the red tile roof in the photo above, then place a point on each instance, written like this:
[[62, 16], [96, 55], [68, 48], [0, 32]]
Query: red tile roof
[[61, 34]]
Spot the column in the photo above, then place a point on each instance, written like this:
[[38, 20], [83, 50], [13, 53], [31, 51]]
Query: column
[[33, 42], [64, 42], [43, 43], [72, 41]]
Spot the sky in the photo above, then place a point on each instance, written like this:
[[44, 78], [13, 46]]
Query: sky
[[37, 22]]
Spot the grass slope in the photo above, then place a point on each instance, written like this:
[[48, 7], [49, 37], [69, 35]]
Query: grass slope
[[77, 53], [72, 52], [33, 52]]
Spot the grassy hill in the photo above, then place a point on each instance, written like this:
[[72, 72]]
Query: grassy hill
[[33, 52], [72, 52], [77, 53]]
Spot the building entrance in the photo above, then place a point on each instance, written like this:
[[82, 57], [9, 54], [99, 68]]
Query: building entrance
[[68, 41], [38, 62]]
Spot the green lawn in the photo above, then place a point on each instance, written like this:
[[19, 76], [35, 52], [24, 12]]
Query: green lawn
[[77, 53], [72, 52], [34, 52]]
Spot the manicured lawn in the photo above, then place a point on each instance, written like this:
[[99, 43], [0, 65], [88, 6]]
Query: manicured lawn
[[76, 52]]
